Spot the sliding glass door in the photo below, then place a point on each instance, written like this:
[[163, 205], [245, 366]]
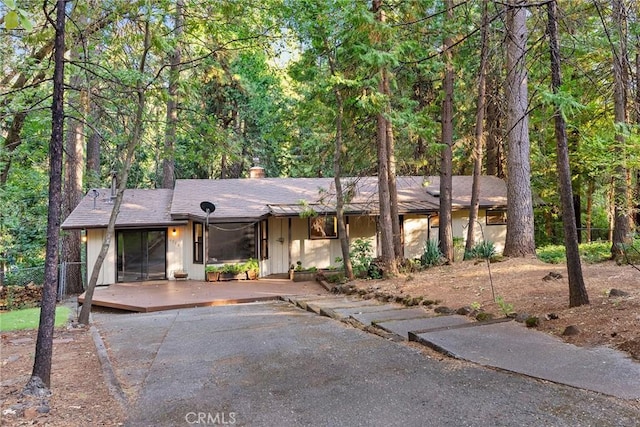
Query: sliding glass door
[[142, 255]]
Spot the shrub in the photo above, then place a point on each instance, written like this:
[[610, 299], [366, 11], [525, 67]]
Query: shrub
[[589, 252], [361, 257], [484, 250], [552, 254], [431, 254]]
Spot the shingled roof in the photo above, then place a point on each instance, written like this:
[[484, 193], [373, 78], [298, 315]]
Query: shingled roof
[[140, 208], [250, 199]]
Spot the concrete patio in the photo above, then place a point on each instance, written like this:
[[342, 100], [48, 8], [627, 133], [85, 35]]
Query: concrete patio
[[172, 294]]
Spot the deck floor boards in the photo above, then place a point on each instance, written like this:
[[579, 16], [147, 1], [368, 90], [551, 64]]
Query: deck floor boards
[[172, 294]]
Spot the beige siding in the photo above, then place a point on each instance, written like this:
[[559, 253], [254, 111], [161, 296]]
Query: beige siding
[[278, 261], [416, 233], [178, 252], [107, 274], [493, 233], [364, 227]]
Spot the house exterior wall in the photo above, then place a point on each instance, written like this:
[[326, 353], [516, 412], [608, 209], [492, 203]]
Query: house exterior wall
[[107, 273], [322, 253], [494, 233], [416, 233], [178, 258], [288, 243]]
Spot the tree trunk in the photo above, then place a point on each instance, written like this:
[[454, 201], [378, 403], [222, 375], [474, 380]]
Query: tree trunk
[[494, 150], [168, 157], [445, 231], [41, 373], [337, 175], [132, 142], [591, 188], [479, 143], [384, 192], [577, 290], [621, 217], [520, 239], [73, 172], [393, 188], [93, 159]]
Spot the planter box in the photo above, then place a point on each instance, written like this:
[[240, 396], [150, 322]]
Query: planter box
[[213, 276], [302, 276], [233, 276]]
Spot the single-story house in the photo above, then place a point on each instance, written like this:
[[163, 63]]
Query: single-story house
[[278, 221]]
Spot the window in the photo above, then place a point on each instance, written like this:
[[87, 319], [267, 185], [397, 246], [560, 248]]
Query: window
[[264, 239], [496, 217], [434, 221], [323, 227], [232, 242], [198, 239]]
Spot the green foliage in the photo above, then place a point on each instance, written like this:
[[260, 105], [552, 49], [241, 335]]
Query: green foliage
[[552, 254], [29, 318], [231, 268], [589, 252], [631, 251], [23, 220], [484, 250], [431, 254], [301, 268], [361, 258], [506, 308], [252, 265]]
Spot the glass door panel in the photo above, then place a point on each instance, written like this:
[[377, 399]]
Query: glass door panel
[[141, 255]]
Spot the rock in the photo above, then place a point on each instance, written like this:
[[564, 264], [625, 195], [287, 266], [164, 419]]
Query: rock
[[464, 311], [532, 322], [8, 411], [30, 413], [617, 293], [44, 409], [522, 317], [552, 316], [443, 310], [552, 276], [571, 330], [484, 316]]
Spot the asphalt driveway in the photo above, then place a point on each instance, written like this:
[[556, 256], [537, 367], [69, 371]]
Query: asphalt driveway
[[271, 363]]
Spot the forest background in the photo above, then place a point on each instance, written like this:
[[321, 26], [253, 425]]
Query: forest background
[[201, 89]]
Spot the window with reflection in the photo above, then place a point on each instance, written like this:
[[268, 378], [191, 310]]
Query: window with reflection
[[323, 227]]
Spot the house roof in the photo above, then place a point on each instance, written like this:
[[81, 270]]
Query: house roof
[[148, 208], [239, 200]]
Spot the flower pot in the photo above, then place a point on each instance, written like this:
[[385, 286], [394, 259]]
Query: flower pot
[[213, 276]]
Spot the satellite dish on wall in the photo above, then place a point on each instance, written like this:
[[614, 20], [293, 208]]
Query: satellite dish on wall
[[209, 208]]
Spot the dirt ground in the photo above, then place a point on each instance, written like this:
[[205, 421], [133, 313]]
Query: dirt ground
[[527, 285], [80, 396]]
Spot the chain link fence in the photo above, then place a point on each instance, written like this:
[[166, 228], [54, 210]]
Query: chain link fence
[[67, 271]]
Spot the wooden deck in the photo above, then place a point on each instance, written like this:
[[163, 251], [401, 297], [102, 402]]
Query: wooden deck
[[172, 294]]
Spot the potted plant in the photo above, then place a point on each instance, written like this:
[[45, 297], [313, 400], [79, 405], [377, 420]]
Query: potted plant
[[302, 274], [252, 268], [212, 273], [233, 272]]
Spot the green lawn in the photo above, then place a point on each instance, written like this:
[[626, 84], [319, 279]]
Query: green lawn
[[29, 318]]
